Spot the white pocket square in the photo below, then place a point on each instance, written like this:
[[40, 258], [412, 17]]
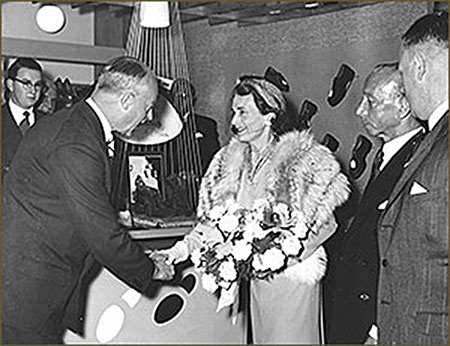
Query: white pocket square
[[417, 189], [383, 205]]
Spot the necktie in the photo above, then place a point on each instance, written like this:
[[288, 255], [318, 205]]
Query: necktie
[[110, 148], [377, 163], [24, 125]]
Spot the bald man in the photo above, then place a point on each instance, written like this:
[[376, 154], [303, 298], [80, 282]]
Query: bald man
[[386, 115]]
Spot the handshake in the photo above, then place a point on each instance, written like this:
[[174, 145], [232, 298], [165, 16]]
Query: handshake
[[164, 268]]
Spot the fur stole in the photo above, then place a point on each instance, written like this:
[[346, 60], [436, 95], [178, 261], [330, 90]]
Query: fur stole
[[303, 174]]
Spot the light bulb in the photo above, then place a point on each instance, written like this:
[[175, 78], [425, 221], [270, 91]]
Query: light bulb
[[50, 18]]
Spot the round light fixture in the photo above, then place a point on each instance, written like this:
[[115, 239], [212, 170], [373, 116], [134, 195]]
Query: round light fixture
[[50, 18]]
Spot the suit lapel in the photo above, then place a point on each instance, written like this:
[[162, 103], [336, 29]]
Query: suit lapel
[[417, 159], [379, 189], [10, 124]]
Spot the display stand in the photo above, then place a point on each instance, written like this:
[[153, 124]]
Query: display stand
[[179, 312]]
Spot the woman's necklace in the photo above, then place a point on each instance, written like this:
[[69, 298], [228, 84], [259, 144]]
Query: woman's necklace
[[256, 162]]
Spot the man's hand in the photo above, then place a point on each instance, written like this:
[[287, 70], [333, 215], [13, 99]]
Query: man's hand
[[161, 256], [163, 270]]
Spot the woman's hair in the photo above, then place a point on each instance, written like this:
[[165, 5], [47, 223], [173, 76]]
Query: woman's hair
[[267, 97]]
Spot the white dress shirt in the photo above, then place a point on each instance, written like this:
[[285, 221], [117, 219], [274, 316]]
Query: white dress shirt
[[394, 145], [437, 115], [17, 113]]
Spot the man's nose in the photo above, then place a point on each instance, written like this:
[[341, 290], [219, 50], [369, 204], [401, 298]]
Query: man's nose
[[34, 90]]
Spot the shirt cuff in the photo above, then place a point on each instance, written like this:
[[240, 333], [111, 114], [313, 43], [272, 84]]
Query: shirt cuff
[[373, 332]]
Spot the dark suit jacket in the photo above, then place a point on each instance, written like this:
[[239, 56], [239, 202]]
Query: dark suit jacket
[[11, 136], [355, 277], [413, 241], [207, 139], [56, 214]]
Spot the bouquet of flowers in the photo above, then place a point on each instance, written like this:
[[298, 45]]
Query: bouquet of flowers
[[256, 243]]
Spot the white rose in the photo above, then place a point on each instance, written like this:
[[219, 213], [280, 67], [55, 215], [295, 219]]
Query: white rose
[[224, 284], [241, 250], [275, 258], [290, 245], [223, 250], [300, 230], [227, 271], [253, 230], [217, 212], [272, 259], [196, 257], [228, 223], [209, 283]]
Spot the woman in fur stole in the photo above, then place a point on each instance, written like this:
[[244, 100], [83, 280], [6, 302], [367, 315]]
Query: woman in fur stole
[[260, 162]]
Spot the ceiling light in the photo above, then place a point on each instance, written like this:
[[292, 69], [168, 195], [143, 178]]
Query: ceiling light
[[50, 18], [311, 4], [155, 14]]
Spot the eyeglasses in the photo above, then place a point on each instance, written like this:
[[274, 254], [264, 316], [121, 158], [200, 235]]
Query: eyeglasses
[[38, 86]]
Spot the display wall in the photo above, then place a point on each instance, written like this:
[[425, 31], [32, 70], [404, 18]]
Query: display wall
[[308, 51]]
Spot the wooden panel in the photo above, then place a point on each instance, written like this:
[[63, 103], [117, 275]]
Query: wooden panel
[[55, 51]]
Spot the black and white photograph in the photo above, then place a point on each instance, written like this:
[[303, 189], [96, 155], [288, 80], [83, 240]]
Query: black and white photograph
[[224, 172], [145, 171]]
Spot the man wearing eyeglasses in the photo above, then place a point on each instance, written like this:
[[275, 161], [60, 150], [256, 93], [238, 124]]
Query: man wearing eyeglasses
[[23, 86]]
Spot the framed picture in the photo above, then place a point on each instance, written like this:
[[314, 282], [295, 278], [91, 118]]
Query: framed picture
[[146, 170]]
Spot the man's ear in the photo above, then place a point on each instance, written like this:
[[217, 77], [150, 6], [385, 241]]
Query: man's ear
[[126, 100], [420, 66], [404, 107], [269, 118], [9, 84]]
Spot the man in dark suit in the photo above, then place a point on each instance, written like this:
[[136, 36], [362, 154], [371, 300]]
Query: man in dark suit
[[23, 86], [412, 305], [56, 211], [185, 97], [386, 115]]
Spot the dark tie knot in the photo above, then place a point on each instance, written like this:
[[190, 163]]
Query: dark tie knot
[[25, 123], [379, 158], [377, 163]]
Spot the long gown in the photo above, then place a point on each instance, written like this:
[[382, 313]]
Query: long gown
[[286, 309]]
